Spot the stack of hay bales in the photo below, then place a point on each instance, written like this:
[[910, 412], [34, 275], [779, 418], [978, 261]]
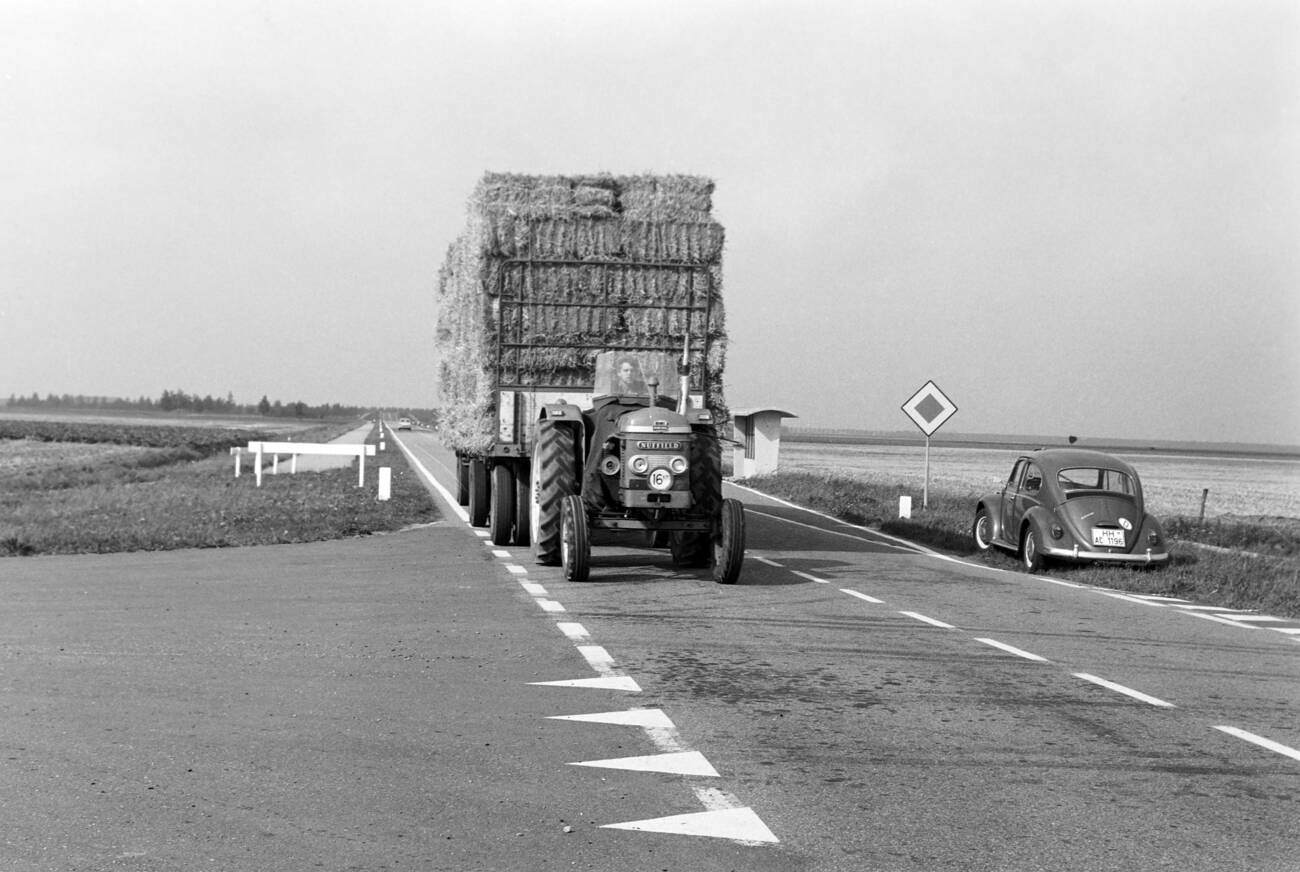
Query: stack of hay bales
[[603, 262]]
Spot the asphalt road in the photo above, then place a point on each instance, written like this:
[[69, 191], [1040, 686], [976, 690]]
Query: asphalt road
[[392, 703]]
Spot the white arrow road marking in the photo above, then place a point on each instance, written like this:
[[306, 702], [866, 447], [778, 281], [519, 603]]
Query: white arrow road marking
[[673, 763], [605, 682], [646, 718], [661, 730], [737, 824]]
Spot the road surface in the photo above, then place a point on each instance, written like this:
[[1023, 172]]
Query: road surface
[[424, 700]]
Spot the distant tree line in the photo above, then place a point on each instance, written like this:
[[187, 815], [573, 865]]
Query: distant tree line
[[180, 401]]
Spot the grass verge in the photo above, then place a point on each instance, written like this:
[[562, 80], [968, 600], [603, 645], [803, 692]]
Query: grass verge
[[185, 498], [1236, 563]]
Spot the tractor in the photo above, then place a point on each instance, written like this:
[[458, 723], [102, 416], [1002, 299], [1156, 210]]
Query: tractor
[[635, 461]]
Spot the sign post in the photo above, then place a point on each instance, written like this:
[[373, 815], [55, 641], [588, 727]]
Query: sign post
[[928, 408]]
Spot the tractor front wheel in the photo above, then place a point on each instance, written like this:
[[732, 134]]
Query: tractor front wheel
[[729, 543], [575, 539]]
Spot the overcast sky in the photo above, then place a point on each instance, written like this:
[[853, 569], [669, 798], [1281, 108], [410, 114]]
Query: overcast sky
[[1075, 217]]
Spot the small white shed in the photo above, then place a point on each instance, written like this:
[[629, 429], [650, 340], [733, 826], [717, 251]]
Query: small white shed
[[758, 432]]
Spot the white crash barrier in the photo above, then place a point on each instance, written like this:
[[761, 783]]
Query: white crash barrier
[[360, 450]]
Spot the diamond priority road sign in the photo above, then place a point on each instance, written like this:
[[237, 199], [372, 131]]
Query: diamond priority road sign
[[929, 408]]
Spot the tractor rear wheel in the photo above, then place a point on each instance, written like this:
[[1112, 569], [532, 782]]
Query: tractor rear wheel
[[729, 543], [501, 516], [575, 539], [478, 492], [554, 477]]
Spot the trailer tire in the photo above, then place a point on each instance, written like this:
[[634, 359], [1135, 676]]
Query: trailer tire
[[729, 543], [479, 494], [501, 513], [462, 481], [523, 503], [575, 539], [554, 477]]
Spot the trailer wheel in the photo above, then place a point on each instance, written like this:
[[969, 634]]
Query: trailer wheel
[[478, 492], [462, 481], [501, 513], [575, 539], [554, 477], [729, 544], [523, 503]]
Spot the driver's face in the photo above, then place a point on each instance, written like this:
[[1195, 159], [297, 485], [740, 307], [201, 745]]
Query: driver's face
[[625, 372]]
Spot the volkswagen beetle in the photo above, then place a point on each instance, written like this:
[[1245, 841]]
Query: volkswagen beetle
[[1070, 504]]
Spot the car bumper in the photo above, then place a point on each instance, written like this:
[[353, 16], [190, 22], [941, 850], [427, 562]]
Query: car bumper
[[1143, 558]]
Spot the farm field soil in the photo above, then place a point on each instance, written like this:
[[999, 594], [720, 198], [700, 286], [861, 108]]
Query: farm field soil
[[1238, 486]]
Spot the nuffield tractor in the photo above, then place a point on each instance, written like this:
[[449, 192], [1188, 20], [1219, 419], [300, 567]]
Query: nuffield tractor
[[633, 462]]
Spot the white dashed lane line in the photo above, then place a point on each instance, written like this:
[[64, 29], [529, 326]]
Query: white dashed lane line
[[931, 621], [1127, 691], [1236, 619]]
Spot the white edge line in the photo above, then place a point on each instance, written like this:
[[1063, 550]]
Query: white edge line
[[1127, 691], [1011, 649], [810, 577], [1221, 620], [770, 562], [861, 596], [450, 500], [1261, 741]]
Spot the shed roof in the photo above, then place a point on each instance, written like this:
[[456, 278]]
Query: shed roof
[[749, 411]]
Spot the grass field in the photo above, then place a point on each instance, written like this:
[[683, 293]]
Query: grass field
[[70, 496]]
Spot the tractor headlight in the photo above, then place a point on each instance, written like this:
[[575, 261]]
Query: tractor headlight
[[639, 464], [661, 480], [677, 465]]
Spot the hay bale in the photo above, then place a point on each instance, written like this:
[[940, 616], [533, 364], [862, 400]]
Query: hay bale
[[557, 268]]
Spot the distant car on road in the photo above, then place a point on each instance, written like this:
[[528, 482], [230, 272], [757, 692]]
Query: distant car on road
[[1070, 504], [403, 423]]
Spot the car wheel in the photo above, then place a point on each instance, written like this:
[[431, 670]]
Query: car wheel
[[982, 530], [1029, 553]]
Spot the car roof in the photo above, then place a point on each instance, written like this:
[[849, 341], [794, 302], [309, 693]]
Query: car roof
[[1065, 458]]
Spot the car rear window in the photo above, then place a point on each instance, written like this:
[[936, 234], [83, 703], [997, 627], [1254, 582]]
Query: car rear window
[[1091, 479]]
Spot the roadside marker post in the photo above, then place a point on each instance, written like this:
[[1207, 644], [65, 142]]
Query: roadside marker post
[[928, 408], [385, 482]]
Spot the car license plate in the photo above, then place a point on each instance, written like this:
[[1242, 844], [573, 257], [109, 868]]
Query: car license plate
[[1104, 537]]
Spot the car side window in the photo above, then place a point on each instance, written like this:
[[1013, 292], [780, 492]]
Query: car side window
[[1033, 480], [1016, 470]]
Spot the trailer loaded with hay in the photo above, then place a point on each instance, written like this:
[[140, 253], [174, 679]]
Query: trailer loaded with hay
[[581, 340]]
